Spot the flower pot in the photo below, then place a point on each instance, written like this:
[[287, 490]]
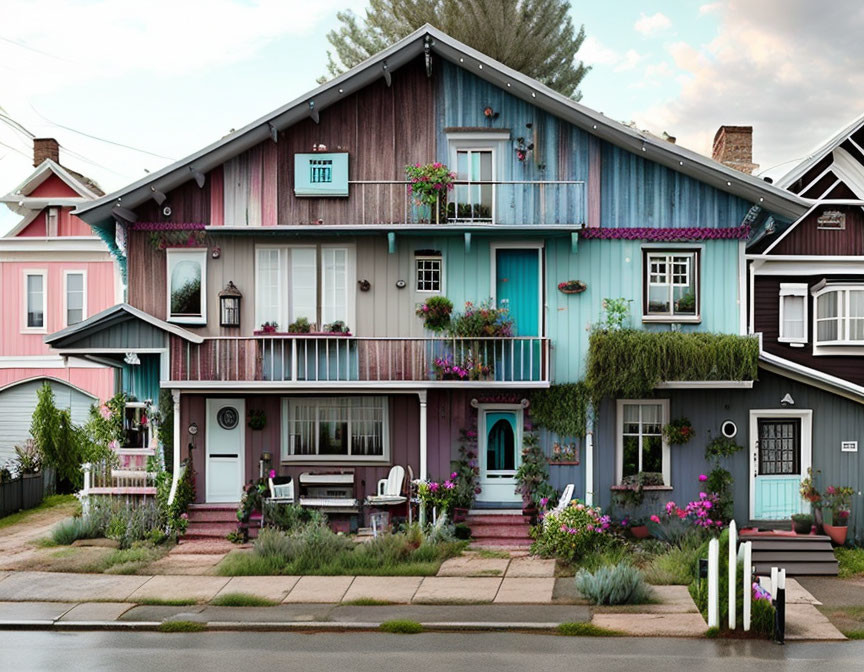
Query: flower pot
[[640, 531], [837, 533], [459, 515], [802, 526]]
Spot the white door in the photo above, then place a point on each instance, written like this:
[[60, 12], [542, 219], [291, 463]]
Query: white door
[[500, 448], [225, 439]]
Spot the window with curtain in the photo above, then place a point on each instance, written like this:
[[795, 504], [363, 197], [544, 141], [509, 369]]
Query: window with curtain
[[840, 315], [793, 313], [640, 437], [75, 297], [335, 427], [671, 285]]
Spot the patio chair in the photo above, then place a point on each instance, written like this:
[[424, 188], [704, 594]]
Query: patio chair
[[282, 493], [389, 489], [563, 502]]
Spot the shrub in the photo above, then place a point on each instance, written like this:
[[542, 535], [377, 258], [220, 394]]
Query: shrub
[[678, 565], [70, 530], [532, 476], [130, 523], [573, 532], [289, 517], [435, 312], [401, 626], [619, 584]]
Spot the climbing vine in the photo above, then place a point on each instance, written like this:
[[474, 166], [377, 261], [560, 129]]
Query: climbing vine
[[562, 409]]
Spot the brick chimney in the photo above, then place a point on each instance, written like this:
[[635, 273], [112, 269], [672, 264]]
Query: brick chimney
[[45, 148], [733, 147]]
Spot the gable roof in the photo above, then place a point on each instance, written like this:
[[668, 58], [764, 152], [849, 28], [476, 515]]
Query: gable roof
[[820, 152], [431, 41]]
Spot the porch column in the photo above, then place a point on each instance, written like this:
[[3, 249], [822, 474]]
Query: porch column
[[423, 447], [175, 477], [589, 456]]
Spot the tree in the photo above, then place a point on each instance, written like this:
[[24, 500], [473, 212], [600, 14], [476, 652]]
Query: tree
[[535, 37], [58, 440]]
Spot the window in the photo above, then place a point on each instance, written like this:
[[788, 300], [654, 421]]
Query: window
[[335, 428], [287, 285], [839, 314], [428, 273], [34, 291], [671, 286], [473, 202], [793, 313], [76, 296], [320, 171], [187, 286], [640, 437]]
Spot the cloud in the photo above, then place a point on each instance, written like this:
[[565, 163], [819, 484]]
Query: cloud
[[594, 52], [709, 8], [651, 25], [782, 66]]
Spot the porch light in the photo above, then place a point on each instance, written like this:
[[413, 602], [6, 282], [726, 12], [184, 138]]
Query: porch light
[[229, 306]]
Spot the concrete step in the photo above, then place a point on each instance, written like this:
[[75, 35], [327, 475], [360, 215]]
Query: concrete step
[[799, 568], [797, 556], [205, 530], [211, 516], [504, 543], [510, 531], [480, 519]]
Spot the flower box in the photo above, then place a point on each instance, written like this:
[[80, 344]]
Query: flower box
[[573, 463], [308, 334], [572, 287]]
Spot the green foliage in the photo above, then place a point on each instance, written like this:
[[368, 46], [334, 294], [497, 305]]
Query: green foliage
[[71, 530], [462, 531], [466, 470], [617, 313], [629, 363], [720, 482], [241, 600], [721, 446], [105, 424], [289, 517], [50, 502], [165, 428], [187, 299], [619, 584], [401, 626], [60, 443], [574, 532], [174, 514], [586, 630], [482, 320], [562, 408], [541, 40], [130, 560], [678, 432], [429, 183], [300, 326], [436, 311], [182, 626], [27, 459], [532, 475], [851, 561], [131, 523], [632, 492], [678, 564], [257, 419]]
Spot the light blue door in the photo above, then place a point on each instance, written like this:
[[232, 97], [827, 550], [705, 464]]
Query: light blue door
[[500, 455], [777, 475], [517, 288]]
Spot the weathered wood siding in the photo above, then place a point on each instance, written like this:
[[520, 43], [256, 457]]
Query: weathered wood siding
[[807, 238]]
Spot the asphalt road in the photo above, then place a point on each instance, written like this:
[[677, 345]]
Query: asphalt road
[[23, 651]]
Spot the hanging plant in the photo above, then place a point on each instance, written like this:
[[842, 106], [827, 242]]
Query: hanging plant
[[561, 409], [435, 312], [161, 240], [257, 419], [572, 287], [429, 183], [678, 432], [721, 446]]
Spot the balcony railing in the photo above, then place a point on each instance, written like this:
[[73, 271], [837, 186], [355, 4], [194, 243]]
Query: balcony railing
[[513, 202], [347, 359]]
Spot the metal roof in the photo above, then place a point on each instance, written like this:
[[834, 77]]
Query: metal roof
[[817, 154], [428, 39], [109, 314]]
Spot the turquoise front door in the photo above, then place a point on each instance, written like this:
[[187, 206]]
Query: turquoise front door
[[517, 288], [777, 469], [500, 455]]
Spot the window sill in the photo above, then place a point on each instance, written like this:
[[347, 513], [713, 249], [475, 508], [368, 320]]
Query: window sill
[[645, 488], [664, 319], [335, 461], [188, 321]]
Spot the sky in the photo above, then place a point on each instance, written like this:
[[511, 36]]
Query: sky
[[164, 78]]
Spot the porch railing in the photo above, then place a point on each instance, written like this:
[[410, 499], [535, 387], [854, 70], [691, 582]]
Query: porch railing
[[510, 202], [339, 359], [129, 475]]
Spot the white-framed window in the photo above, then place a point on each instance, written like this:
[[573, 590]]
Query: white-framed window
[[304, 281], [839, 318], [793, 312], [335, 429], [671, 286], [35, 300], [187, 285], [474, 202], [429, 274], [74, 296], [640, 444]]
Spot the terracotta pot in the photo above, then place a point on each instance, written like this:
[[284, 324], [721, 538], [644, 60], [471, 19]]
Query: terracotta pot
[[837, 533], [640, 531]]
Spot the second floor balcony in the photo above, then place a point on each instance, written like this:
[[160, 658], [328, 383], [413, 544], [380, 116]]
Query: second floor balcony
[[349, 361]]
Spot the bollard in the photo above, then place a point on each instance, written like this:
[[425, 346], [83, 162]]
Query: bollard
[[780, 606], [747, 548], [713, 583]]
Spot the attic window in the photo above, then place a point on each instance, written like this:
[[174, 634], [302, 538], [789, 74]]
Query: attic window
[[321, 174], [321, 171], [831, 220]]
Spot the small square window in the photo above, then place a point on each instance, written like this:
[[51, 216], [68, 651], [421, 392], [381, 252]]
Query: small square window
[[321, 171], [428, 274]]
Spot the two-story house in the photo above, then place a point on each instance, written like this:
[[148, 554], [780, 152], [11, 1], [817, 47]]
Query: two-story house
[[54, 273], [304, 219]]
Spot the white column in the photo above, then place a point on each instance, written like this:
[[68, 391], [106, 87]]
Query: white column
[[175, 477], [733, 572], [589, 467], [713, 583], [423, 444], [748, 588]]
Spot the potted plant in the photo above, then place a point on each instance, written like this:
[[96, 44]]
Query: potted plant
[[269, 327], [300, 326], [572, 287], [532, 476], [337, 327], [257, 419], [839, 499], [802, 523], [428, 188], [678, 432], [810, 493], [435, 312], [637, 526]]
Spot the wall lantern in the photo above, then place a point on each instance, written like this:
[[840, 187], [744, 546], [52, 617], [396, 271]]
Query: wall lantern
[[229, 306]]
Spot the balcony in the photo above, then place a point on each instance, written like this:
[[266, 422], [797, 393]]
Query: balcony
[[349, 361], [505, 203]]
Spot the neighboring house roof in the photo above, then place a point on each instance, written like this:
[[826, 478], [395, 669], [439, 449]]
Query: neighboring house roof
[[819, 153], [810, 376], [111, 316], [432, 41], [52, 379]]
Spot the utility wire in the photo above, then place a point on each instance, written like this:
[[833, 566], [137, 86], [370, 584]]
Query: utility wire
[[35, 50]]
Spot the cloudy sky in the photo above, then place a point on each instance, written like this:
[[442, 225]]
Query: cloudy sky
[[166, 77]]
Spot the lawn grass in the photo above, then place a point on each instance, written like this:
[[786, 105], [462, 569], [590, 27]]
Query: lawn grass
[[182, 626], [586, 630], [169, 602], [50, 502], [401, 626], [241, 600], [851, 562], [490, 554], [250, 564], [367, 602], [132, 560]]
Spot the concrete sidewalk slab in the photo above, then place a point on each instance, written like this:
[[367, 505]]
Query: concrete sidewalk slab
[[185, 563], [566, 592], [438, 589], [829, 590], [67, 587], [653, 625], [396, 589], [275, 588], [150, 613], [198, 588], [798, 594], [525, 591], [97, 611], [804, 621], [33, 611], [463, 613], [473, 565], [318, 589], [530, 567], [3, 575]]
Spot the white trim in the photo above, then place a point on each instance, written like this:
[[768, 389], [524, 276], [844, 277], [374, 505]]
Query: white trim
[[799, 290], [705, 385], [109, 351], [241, 430], [814, 266], [32, 272], [809, 376], [619, 437], [471, 144], [839, 345], [694, 270], [806, 417], [541, 273], [430, 257], [482, 411], [134, 312], [46, 362], [60, 381], [742, 288], [478, 136], [66, 274], [176, 252]]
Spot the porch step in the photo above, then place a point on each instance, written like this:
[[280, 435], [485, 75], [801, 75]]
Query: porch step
[[484, 519], [505, 530], [517, 531], [799, 555], [502, 543], [213, 515]]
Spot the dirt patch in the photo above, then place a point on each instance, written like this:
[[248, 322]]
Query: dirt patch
[[18, 542]]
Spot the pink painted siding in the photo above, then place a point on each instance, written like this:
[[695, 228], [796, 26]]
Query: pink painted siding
[[70, 225], [99, 382], [100, 295], [34, 228], [217, 204], [53, 186]]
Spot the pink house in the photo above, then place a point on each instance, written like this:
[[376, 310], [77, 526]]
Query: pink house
[[54, 272]]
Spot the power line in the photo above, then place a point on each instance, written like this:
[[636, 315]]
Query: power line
[[35, 50], [9, 121], [15, 149]]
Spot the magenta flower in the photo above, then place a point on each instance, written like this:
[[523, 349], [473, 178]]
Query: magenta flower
[[433, 486], [449, 485], [655, 518], [454, 475], [272, 473], [703, 478], [544, 501]]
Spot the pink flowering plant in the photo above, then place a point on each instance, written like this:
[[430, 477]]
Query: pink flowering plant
[[429, 183], [839, 499], [446, 368], [435, 313], [439, 494], [571, 534], [483, 319], [675, 522]]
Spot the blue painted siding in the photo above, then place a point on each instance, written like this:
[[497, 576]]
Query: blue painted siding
[[142, 380]]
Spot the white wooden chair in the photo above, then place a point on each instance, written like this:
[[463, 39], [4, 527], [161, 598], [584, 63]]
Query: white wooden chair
[[389, 489], [281, 494], [563, 502]]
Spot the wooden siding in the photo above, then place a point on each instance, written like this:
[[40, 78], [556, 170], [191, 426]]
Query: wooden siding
[[249, 185], [188, 202], [132, 333], [807, 238], [766, 313]]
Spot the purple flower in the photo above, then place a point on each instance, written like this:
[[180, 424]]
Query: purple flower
[[544, 501], [449, 485], [703, 478], [433, 486], [454, 475]]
